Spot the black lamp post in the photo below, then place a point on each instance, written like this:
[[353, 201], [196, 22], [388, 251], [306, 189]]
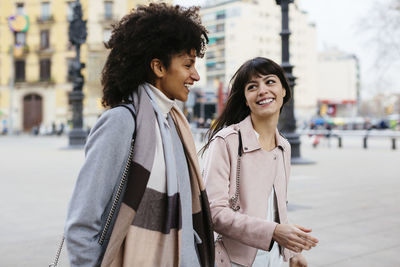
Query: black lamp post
[[77, 36], [287, 121]]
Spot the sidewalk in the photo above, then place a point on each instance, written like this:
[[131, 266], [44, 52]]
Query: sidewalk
[[350, 198]]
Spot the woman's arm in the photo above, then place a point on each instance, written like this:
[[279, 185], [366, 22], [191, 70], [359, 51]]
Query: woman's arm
[[252, 231], [106, 152]]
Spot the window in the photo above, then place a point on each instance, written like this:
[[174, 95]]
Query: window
[[210, 54], [212, 28], [108, 9], [19, 70], [20, 9], [220, 28], [45, 10], [44, 39], [20, 38], [106, 35], [70, 11], [45, 65], [221, 14], [220, 41]]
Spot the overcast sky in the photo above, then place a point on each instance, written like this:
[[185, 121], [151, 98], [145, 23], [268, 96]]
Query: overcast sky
[[339, 24]]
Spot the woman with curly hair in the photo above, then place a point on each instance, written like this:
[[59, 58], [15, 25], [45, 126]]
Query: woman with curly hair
[[247, 172], [139, 199]]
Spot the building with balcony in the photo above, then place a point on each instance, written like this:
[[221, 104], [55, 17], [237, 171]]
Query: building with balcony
[[244, 29], [35, 58]]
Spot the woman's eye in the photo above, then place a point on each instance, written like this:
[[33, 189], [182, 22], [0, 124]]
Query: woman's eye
[[251, 87], [270, 82]]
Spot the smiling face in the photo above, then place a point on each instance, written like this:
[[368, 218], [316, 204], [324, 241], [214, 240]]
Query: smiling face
[[264, 95], [176, 80]]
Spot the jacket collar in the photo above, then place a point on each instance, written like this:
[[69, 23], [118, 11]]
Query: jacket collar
[[249, 138]]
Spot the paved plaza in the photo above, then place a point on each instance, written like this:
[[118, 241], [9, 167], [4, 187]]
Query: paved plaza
[[350, 198]]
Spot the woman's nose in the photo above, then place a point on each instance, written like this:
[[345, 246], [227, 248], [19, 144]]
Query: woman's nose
[[262, 89], [195, 75]]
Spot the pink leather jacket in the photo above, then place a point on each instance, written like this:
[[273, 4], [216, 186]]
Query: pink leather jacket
[[246, 230]]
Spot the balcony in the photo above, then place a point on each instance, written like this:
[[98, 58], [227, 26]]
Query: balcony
[[45, 19], [107, 19], [44, 50], [19, 50]]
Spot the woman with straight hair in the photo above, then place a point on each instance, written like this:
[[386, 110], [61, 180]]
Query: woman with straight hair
[[246, 173]]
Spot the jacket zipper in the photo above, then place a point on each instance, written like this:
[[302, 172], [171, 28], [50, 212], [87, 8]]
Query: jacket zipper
[[117, 195]]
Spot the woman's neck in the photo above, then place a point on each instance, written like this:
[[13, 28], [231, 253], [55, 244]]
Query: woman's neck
[[266, 128]]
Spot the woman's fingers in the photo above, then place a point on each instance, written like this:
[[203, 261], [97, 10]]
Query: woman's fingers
[[303, 234], [308, 238], [301, 243], [294, 248], [302, 228]]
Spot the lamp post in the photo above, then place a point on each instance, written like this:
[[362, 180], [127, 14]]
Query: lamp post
[[287, 121], [77, 36]]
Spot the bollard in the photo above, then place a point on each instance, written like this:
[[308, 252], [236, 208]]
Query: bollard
[[365, 142], [393, 143], [340, 141]]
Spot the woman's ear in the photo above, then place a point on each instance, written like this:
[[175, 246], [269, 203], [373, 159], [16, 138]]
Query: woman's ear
[[284, 92], [157, 67]]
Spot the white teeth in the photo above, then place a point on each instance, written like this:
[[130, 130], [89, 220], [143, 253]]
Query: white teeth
[[188, 86], [266, 101]]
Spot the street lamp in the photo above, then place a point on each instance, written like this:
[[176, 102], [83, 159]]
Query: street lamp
[[287, 121], [77, 36]]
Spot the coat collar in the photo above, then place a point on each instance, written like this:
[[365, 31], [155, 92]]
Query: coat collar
[[249, 138]]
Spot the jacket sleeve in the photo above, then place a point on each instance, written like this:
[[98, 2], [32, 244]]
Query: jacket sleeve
[[252, 231], [106, 152]]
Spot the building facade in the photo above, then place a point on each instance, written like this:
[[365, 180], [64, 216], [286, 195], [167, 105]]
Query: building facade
[[338, 84], [243, 29], [35, 55]]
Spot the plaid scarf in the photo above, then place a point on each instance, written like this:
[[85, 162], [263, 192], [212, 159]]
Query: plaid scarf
[[160, 233]]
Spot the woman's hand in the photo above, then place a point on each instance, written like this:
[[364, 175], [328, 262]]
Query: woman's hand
[[294, 237], [298, 261]]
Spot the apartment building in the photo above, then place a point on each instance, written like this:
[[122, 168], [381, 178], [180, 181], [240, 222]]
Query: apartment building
[[338, 83], [35, 55], [243, 29]]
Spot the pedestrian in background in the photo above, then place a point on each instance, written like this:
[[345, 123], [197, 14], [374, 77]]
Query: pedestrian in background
[[160, 215], [246, 172]]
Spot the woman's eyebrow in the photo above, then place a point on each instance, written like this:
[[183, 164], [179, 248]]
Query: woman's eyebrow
[[269, 76]]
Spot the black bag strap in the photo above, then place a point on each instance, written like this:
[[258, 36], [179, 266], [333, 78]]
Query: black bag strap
[[240, 150], [133, 115]]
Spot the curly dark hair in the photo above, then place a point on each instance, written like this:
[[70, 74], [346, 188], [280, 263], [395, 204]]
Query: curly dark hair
[[153, 31], [236, 109]]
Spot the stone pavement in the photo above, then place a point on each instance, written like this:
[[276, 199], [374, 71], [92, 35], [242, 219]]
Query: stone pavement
[[350, 198]]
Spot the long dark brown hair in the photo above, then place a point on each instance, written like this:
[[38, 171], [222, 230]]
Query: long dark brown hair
[[236, 109]]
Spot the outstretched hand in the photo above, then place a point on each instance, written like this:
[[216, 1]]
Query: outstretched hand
[[294, 237]]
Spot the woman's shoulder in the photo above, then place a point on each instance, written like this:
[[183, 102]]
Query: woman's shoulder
[[284, 141], [228, 131], [115, 120]]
